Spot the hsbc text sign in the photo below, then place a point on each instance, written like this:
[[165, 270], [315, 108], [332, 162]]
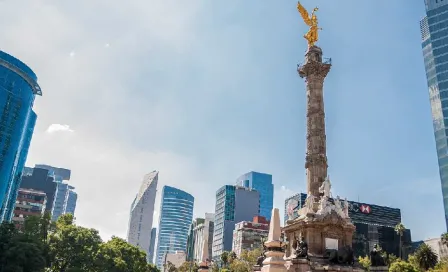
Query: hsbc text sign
[[359, 208]]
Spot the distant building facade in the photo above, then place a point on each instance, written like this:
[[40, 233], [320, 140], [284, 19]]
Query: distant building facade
[[18, 88], [175, 217], [141, 214], [192, 238], [177, 258], [152, 245], [439, 248], [249, 235], [233, 204], [204, 238], [263, 184], [374, 225], [65, 196], [434, 42], [28, 203], [41, 180]]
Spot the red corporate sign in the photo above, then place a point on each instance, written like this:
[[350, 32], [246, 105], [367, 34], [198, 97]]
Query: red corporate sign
[[365, 208]]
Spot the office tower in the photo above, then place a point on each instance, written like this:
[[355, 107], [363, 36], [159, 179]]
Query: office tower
[[41, 180], [249, 235], [192, 238], [175, 217], [233, 204], [263, 184], [434, 31], [203, 237], [374, 225], [64, 192], [18, 88], [70, 204], [142, 212], [152, 245], [29, 203], [60, 174]]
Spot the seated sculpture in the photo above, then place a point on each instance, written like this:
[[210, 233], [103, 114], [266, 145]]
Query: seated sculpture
[[301, 249], [375, 257]]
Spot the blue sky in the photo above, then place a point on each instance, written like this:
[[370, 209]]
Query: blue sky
[[207, 90]]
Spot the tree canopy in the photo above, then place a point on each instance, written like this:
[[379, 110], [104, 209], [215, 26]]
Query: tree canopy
[[42, 245]]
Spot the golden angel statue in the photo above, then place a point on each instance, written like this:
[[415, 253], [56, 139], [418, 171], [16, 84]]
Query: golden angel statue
[[312, 35]]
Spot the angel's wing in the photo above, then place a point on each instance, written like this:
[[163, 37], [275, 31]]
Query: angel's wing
[[304, 13]]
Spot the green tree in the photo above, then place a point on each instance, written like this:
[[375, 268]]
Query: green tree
[[365, 262], [402, 266], [224, 258], [170, 267], [24, 255], [188, 266], [232, 256], [399, 229], [426, 257], [444, 238], [19, 252], [117, 255], [73, 247]]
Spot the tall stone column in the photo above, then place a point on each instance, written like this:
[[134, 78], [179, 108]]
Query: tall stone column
[[314, 70]]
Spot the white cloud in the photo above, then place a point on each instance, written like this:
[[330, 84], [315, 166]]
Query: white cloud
[[59, 128]]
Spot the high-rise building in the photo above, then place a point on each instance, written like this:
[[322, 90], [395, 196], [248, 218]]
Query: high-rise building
[[142, 212], [249, 235], [175, 217], [233, 204], [374, 225], [18, 88], [70, 203], [263, 184], [152, 245], [192, 238], [65, 196], [204, 238], [41, 180], [434, 32], [29, 203]]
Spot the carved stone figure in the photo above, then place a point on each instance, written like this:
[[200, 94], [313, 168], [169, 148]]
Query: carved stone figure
[[375, 257], [324, 206], [338, 207], [325, 188], [309, 202], [301, 250]]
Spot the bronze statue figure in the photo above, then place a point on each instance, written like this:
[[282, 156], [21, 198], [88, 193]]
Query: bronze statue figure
[[375, 257], [301, 249], [312, 35]]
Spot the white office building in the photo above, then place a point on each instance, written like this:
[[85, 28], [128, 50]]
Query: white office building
[[141, 214]]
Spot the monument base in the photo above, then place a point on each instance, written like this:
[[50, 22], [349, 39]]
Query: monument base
[[304, 265], [321, 232]]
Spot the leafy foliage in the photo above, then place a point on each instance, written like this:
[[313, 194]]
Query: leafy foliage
[[365, 262], [42, 245], [188, 266], [426, 257], [402, 266]]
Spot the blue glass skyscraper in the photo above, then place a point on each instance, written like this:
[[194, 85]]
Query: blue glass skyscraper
[[434, 31], [263, 184], [18, 88], [176, 214]]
